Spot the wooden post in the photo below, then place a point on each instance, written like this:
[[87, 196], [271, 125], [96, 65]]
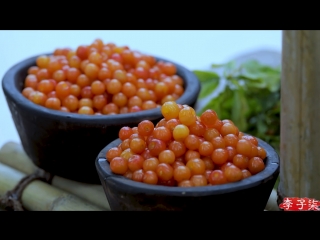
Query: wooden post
[[300, 115]]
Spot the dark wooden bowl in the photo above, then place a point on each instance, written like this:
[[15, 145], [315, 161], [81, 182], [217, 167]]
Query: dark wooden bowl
[[66, 144], [250, 194]]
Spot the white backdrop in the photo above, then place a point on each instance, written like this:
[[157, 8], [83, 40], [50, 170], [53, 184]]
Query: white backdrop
[[192, 49]]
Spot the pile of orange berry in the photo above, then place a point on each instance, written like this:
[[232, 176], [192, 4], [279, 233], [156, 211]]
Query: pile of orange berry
[[101, 79], [186, 150]]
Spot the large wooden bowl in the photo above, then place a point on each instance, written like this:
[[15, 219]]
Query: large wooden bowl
[[66, 144]]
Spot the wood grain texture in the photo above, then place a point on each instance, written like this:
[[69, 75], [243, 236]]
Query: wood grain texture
[[300, 114]]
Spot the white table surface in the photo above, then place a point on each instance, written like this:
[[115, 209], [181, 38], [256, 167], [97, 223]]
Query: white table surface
[[196, 50]]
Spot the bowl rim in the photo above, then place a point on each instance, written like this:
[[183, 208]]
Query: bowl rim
[[191, 91], [272, 163]]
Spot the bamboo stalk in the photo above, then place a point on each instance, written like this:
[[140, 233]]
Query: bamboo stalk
[[13, 155], [40, 196], [272, 204], [300, 115]]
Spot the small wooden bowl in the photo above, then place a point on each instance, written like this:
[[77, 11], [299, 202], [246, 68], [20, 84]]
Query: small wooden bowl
[[250, 194]]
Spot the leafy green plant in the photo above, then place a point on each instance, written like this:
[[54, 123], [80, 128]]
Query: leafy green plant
[[250, 97]]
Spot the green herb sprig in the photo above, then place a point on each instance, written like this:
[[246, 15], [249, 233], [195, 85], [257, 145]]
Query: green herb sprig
[[250, 97]]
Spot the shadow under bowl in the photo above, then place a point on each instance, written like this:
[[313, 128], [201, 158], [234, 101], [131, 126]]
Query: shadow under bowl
[[66, 144], [250, 194]]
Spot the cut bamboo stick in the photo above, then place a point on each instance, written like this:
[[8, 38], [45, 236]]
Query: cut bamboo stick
[[272, 204], [13, 155], [300, 115], [40, 196]]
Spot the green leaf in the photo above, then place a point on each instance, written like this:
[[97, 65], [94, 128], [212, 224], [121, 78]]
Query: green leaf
[[273, 83], [207, 88], [221, 104], [214, 104], [219, 65], [266, 99], [251, 78], [255, 84], [226, 103], [230, 69], [231, 65], [277, 183], [252, 66], [260, 76], [239, 110], [261, 126], [205, 76]]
